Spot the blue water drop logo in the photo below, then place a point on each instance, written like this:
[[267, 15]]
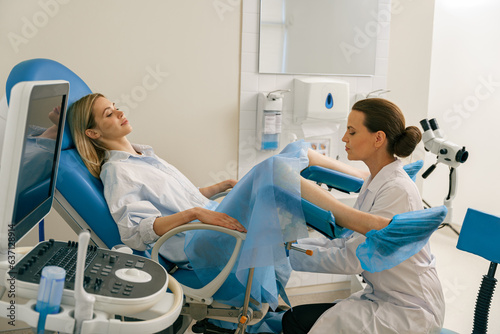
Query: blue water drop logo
[[329, 101]]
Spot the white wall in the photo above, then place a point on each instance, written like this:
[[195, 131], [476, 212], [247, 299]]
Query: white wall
[[443, 63], [441, 53], [189, 112], [410, 61], [465, 98]]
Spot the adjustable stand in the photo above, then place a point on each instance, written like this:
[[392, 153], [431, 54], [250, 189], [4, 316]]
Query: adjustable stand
[[452, 186], [449, 198]]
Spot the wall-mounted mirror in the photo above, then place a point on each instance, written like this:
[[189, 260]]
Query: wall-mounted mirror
[[318, 36]]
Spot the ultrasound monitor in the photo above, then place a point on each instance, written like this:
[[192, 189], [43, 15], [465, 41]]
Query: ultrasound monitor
[[30, 156]]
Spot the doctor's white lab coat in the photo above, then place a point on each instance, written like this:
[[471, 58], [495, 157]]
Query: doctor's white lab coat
[[405, 299]]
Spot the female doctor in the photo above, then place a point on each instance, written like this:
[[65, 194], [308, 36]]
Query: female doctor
[[407, 298]]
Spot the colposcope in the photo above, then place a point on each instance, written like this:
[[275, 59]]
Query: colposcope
[[447, 153]]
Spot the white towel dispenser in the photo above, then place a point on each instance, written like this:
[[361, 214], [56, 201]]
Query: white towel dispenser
[[320, 99]]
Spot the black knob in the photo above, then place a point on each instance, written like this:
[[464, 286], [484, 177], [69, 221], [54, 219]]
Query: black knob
[[462, 155], [428, 171]]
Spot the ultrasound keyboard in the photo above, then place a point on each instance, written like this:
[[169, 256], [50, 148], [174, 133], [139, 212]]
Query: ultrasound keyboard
[[121, 283]]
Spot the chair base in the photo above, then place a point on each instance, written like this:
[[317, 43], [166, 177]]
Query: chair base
[[205, 327]]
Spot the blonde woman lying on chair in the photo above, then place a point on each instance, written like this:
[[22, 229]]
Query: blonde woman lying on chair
[[148, 197]]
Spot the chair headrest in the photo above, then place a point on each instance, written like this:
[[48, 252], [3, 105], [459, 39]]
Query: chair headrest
[[46, 69]]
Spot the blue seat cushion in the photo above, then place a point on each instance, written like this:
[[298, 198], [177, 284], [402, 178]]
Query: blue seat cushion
[[85, 194], [480, 234]]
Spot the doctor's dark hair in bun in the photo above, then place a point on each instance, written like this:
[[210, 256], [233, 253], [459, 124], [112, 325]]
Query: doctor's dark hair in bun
[[383, 115]]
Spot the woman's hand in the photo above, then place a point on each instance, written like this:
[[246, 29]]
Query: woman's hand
[[164, 224], [230, 184], [218, 188], [218, 218]]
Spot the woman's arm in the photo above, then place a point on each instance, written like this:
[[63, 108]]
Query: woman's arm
[[164, 224], [345, 216], [318, 159], [337, 256], [208, 192]]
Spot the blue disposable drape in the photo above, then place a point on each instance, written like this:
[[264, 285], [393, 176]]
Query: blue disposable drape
[[271, 218]]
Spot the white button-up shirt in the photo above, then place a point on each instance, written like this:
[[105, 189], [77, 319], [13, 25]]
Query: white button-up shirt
[[140, 188], [405, 299]]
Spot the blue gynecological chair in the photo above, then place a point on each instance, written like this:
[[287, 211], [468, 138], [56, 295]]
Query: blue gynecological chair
[[80, 202]]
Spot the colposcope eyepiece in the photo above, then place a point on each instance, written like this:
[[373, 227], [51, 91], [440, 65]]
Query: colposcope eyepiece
[[427, 135], [434, 124], [435, 128], [425, 124]]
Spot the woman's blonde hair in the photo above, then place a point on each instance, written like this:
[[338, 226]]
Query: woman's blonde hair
[[80, 119]]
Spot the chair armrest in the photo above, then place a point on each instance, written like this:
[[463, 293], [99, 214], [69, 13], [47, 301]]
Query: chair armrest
[[321, 220], [219, 195], [204, 294], [333, 179]]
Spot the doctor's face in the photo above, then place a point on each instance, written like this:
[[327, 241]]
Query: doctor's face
[[111, 123], [359, 141]]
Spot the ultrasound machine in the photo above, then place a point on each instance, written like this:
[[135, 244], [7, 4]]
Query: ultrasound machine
[[96, 284]]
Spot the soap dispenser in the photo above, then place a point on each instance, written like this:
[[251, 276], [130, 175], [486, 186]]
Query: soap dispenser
[[269, 109]]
